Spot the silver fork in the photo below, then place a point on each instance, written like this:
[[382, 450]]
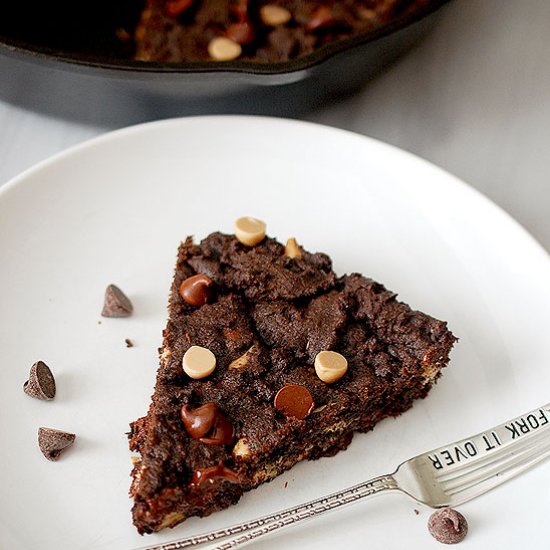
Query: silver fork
[[447, 476]]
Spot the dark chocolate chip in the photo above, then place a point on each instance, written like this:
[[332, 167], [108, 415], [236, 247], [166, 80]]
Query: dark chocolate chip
[[198, 422], [116, 303], [196, 290], [448, 526], [294, 400], [207, 420], [53, 442], [221, 472], [129, 343], [41, 383], [222, 432]]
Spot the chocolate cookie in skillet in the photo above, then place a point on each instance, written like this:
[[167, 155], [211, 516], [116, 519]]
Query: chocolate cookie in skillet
[[269, 358], [265, 31]]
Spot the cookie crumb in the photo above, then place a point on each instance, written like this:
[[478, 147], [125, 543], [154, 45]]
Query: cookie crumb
[[417, 512], [129, 343]]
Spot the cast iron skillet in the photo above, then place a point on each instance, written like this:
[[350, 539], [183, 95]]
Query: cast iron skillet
[[57, 58]]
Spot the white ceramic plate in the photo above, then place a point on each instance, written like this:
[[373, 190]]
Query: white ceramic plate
[[114, 210]]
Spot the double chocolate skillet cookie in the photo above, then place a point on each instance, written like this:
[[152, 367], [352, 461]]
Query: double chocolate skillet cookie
[[269, 358]]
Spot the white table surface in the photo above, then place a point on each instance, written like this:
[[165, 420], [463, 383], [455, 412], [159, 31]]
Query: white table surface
[[473, 98]]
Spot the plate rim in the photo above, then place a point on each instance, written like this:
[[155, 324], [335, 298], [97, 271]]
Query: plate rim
[[459, 185]]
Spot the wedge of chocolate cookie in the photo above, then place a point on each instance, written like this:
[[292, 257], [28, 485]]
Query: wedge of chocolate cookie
[[246, 388]]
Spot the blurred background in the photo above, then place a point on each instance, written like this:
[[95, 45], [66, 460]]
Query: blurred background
[[473, 96]]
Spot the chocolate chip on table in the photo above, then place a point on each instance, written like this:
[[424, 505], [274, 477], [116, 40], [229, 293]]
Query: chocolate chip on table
[[41, 383], [198, 362], [116, 303], [249, 231], [448, 526], [330, 366], [197, 290], [294, 400], [53, 442], [222, 48]]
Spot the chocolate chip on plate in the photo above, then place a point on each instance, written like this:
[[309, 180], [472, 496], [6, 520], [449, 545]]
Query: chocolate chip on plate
[[294, 400], [41, 383], [116, 303], [448, 526], [53, 442]]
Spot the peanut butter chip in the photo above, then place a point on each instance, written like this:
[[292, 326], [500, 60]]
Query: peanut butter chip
[[293, 249], [294, 400], [198, 362], [223, 49], [330, 366], [241, 449], [249, 231], [274, 15], [243, 361]]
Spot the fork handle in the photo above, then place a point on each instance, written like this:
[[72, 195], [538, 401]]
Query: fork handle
[[316, 508], [267, 524]]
